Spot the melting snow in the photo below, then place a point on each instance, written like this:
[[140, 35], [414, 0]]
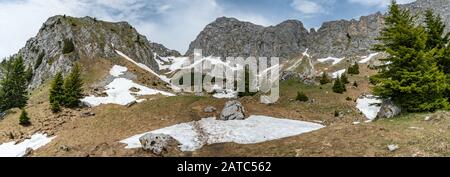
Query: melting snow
[[338, 73], [335, 60], [144, 67], [255, 129], [369, 106], [117, 70], [18, 150], [368, 58], [119, 92], [225, 94]]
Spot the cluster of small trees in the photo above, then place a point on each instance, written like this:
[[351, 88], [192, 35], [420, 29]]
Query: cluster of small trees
[[13, 86], [354, 69], [66, 92], [417, 76]]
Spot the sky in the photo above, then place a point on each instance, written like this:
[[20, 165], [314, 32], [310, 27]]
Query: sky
[[173, 23]]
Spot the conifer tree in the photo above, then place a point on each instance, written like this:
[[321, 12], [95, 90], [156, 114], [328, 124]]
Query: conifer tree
[[57, 92], [354, 69], [24, 120], [324, 79], [13, 85], [338, 86], [412, 80], [301, 97], [344, 79], [29, 74], [73, 87], [435, 29]]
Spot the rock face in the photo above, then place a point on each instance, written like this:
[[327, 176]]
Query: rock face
[[233, 110], [231, 37], [158, 143], [91, 39], [388, 110]]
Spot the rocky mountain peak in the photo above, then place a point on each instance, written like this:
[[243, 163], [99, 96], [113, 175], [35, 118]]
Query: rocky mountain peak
[[63, 40]]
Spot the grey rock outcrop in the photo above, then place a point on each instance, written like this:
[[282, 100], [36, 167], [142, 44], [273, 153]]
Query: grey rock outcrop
[[233, 110], [92, 39], [231, 37], [388, 110], [210, 109], [158, 143]]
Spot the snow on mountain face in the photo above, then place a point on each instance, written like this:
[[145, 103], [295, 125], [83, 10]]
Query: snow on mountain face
[[333, 59], [255, 129]]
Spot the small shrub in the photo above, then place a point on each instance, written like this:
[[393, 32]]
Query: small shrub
[[55, 107], [344, 79], [24, 120], [348, 99], [325, 79], [68, 46], [301, 97], [355, 84]]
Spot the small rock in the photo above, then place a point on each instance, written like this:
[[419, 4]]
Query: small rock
[[233, 110], [28, 152], [428, 118], [388, 110], [87, 114], [131, 104], [210, 109], [392, 147], [64, 148], [158, 143]]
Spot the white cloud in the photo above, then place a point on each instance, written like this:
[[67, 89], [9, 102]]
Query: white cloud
[[379, 3], [174, 23], [307, 7]]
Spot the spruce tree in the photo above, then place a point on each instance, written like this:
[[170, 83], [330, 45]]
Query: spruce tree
[[354, 69], [435, 29], [301, 97], [13, 85], [56, 97], [29, 74], [344, 79], [24, 120], [324, 79], [439, 40], [338, 86], [412, 80], [73, 87]]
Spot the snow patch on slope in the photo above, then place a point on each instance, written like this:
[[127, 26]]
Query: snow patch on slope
[[117, 70], [368, 58], [255, 129], [12, 149], [369, 106], [335, 60], [338, 73], [119, 90]]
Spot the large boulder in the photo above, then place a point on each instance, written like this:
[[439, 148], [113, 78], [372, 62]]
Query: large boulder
[[158, 143], [233, 110], [388, 110]]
